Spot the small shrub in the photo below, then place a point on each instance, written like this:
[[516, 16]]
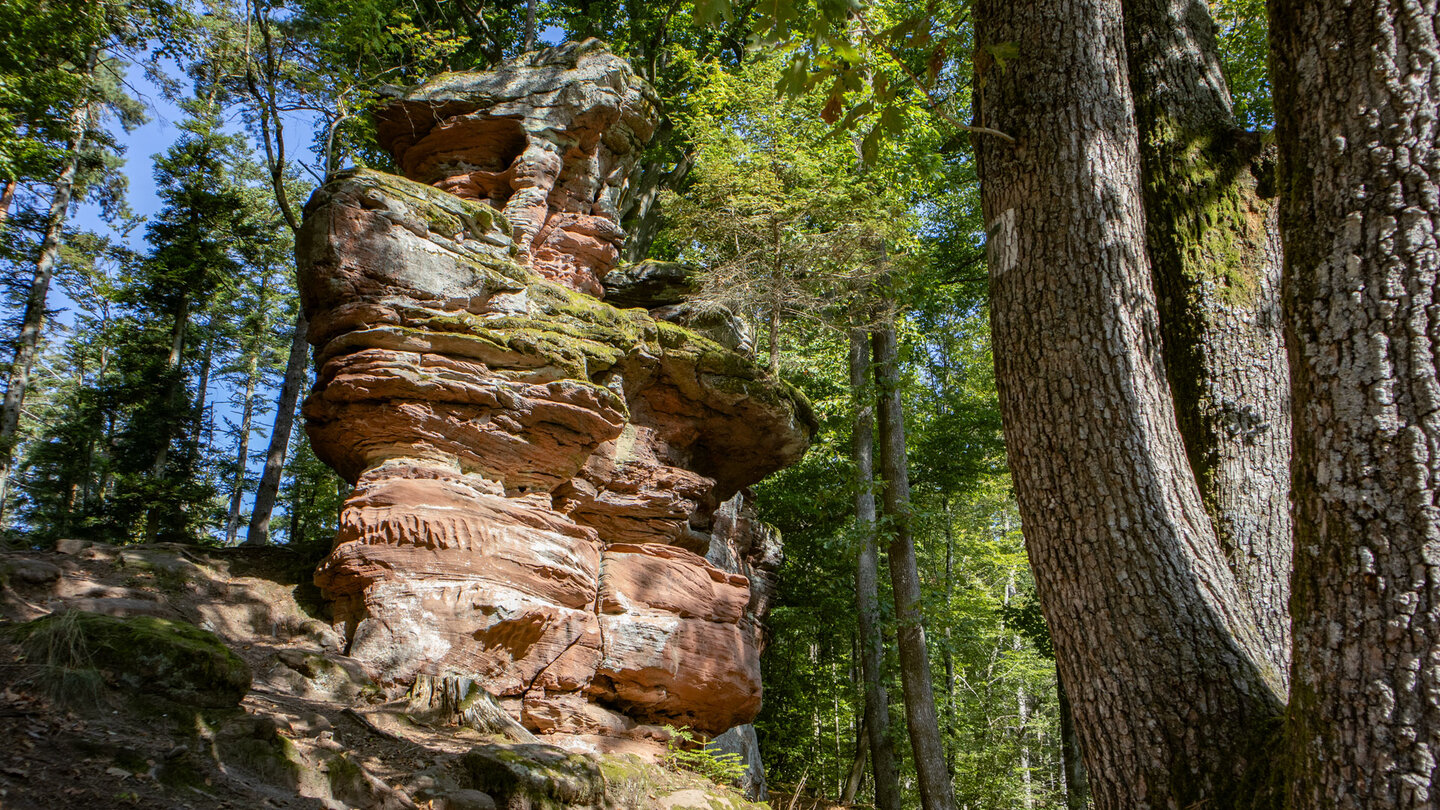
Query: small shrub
[[686, 751]]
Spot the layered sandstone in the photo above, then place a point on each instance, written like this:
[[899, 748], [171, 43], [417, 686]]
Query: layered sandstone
[[549, 138], [548, 489]]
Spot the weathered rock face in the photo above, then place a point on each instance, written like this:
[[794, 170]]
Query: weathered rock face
[[549, 138], [539, 476]]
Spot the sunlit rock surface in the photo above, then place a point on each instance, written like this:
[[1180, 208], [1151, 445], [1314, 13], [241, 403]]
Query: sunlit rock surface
[[549, 138], [548, 489]]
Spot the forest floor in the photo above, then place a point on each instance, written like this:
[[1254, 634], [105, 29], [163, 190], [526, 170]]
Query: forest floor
[[313, 731]]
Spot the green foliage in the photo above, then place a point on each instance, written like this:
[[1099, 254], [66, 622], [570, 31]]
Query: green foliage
[[685, 751], [1245, 52]]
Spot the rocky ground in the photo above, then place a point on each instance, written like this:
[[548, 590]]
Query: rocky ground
[[171, 677]]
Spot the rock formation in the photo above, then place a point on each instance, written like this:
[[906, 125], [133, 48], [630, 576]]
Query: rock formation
[[548, 489]]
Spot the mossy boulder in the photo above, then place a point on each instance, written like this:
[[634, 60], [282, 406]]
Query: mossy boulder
[[169, 659], [534, 776]]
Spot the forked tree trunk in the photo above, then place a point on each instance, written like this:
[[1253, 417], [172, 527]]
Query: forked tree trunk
[[923, 725], [1357, 96], [1172, 684], [867, 579], [258, 533], [1214, 243]]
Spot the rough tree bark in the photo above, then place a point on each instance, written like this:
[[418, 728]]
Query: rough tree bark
[[1357, 95], [1172, 682], [867, 579], [923, 725], [1214, 244]]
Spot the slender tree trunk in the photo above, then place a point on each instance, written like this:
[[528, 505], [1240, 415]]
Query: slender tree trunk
[[1174, 688], [948, 659], [272, 131], [168, 427], [1022, 707], [32, 323], [529, 43], [867, 580], [174, 388], [259, 532], [924, 725], [242, 450], [202, 387], [1213, 236], [1357, 97], [857, 766], [774, 338]]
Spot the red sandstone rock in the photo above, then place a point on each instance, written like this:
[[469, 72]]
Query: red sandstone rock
[[549, 138], [546, 487]]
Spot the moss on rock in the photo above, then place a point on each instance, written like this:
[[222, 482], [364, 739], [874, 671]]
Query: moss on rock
[[171, 659], [536, 776]]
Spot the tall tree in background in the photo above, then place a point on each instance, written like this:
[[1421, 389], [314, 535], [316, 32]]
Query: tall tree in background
[[60, 76], [193, 266], [867, 569]]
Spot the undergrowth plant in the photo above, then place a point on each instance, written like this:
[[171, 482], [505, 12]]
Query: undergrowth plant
[[685, 750], [62, 661]]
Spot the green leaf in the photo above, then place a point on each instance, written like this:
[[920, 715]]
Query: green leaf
[[870, 147], [892, 119]]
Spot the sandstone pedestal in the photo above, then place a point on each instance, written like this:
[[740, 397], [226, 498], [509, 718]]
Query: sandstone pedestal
[[548, 490]]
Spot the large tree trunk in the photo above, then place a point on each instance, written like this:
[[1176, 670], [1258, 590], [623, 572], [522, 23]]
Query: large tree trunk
[[923, 725], [1214, 244], [27, 345], [1357, 93], [1171, 680], [258, 534], [867, 580]]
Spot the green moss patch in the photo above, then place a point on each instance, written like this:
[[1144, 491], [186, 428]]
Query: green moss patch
[[171, 659], [542, 775]]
